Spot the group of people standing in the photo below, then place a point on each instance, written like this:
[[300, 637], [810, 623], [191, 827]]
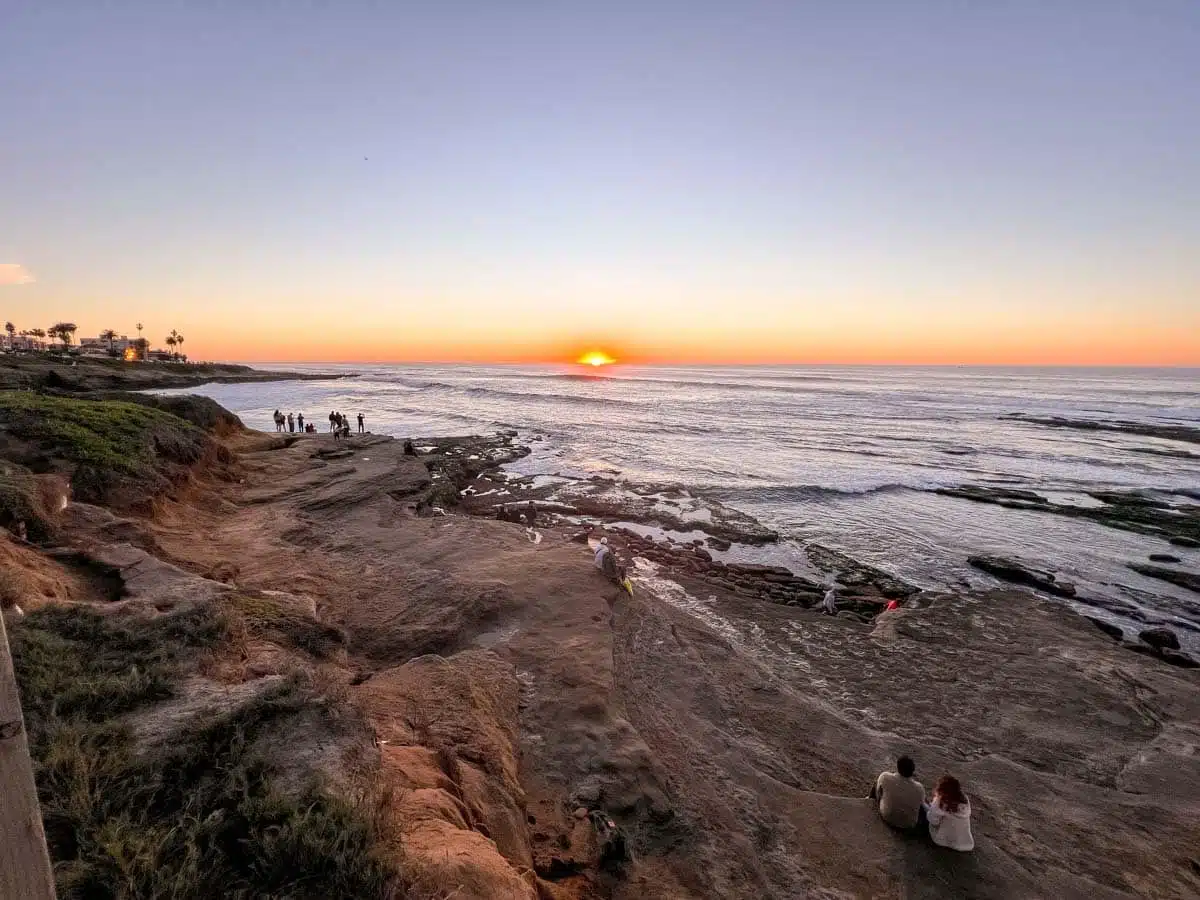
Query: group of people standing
[[339, 424], [292, 423], [902, 805]]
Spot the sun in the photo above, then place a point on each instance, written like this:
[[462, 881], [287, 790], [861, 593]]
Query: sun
[[595, 358]]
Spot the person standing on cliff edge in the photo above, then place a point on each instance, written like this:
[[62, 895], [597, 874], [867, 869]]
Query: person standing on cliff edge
[[361, 427]]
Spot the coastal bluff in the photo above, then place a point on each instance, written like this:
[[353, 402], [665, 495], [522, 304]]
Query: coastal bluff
[[59, 374], [436, 704]]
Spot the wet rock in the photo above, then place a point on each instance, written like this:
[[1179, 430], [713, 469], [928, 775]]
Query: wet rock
[[754, 569], [998, 496], [1164, 558], [1170, 432], [1018, 573], [605, 498], [1188, 580], [1160, 638], [1126, 510], [1170, 657], [1176, 658], [719, 543], [852, 573], [1108, 628]]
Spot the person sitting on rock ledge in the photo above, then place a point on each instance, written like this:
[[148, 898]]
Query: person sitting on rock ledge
[[606, 561], [409, 449], [901, 797], [949, 816]]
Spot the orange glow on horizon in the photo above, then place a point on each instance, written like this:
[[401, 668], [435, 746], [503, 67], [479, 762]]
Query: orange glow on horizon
[[1104, 338], [1014, 346], [595, 358]]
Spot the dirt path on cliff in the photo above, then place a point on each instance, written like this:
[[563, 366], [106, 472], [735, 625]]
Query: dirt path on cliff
[[732, 739]]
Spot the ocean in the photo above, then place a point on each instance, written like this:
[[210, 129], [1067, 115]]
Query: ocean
[[844, 456]]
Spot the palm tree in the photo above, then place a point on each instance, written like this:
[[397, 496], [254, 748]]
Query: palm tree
[[108, 335], [11, 329], [171, 342], [38, 333], [63, 330], [179, 342]]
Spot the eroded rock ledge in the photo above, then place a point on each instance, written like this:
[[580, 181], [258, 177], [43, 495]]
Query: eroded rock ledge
[[1177, 523]]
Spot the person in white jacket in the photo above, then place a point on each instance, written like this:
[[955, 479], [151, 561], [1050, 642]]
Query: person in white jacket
[[949, 816]]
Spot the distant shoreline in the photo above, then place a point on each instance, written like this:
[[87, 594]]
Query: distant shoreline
[[48, 372]]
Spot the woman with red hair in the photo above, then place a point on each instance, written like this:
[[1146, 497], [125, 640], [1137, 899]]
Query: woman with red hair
[[950, 816]]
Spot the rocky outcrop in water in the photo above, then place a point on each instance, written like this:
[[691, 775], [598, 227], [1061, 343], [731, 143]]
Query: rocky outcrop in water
[[854, 574], [605, 500], [1162, 638], [1018, 573], [1170, 432], [1127, 510], [1189, 580]]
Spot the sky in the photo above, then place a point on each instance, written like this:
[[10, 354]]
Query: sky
[[685, 182]]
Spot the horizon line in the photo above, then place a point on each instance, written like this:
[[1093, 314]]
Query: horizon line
[[711, 365]]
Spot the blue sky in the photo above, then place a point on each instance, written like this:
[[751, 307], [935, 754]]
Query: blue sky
[[819, 182]]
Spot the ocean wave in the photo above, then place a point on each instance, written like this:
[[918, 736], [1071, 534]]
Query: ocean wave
[[474, 390], [404, 381], [780, 493], [556, 398], [423, 412]]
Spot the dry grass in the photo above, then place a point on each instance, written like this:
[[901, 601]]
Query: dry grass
[[270, 619], [201, 818]]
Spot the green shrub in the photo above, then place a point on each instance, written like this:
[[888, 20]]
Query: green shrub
[[199, 818], [267, 618], [203, 412], [112, 450], [21, 501]]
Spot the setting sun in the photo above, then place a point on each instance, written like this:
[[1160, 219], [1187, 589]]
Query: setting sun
[[595, 358]]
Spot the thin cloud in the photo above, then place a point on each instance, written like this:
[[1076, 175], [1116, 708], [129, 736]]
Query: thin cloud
[[14, 273]]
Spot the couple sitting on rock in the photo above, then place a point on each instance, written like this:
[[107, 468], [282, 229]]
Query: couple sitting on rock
[[902, 805]]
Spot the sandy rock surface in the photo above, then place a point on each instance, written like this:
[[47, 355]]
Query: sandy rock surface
[[732, 739]]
